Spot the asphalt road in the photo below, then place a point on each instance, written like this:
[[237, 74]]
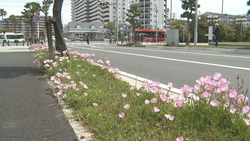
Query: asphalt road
[[28, 109], [173, 64]]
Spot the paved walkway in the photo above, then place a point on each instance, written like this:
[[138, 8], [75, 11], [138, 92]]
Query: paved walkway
[[28, 109]]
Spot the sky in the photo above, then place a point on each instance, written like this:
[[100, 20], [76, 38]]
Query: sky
[[235, 7]]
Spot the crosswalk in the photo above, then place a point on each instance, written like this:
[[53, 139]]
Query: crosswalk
[[14, 49]]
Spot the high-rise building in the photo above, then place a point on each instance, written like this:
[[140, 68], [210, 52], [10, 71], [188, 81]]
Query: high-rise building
[[89, 11], [154, 12]]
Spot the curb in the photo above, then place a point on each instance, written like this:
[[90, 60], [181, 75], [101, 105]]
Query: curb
[[137, 81]]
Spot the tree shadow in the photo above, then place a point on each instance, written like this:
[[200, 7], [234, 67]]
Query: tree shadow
[[13, 72]]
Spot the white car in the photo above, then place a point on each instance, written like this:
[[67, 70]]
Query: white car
[[65, 39]]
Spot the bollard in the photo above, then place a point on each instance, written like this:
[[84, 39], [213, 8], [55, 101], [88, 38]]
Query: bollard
[[23, 43], [16, 42]]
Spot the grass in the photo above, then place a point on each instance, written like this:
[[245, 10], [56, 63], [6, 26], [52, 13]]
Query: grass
[[114, 110]]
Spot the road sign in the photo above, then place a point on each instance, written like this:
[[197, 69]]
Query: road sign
[[36, 18]]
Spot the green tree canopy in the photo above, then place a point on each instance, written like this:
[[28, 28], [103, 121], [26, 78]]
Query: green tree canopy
[[30, 9], [3, 13], [133, 15], [14, 21], [189, 7]]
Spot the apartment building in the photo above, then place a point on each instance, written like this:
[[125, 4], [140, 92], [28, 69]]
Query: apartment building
[[89, 11], [22, 27], [154, 12]]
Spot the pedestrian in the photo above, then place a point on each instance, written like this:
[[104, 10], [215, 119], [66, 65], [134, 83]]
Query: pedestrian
[[216, 33], [5, 39], [87, 38]]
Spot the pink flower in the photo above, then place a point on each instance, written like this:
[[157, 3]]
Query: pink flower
[[138, 94], [170, 84], [59, 92], [132, 87], [246, 109], [154, 89], [247, 121], [205, 95], [155, 84], [127, 106], [154, 100], [122, 115], [215, 102], [217, 76], [233, 110], [163, 97], [179, 103], [156, 110], [209, 87], [241, 98], [186, 90], [52, 78], [233, 93], [169, 117], [95, 104], [147, 101], [180, 139], [124, 95], [178, 100]]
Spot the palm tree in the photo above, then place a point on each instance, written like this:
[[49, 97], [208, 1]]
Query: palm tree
[[14, 21], [3, 13]]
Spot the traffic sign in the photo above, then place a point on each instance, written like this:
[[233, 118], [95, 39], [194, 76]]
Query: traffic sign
[[36, 18]]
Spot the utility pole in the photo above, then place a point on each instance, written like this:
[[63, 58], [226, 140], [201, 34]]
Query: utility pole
[[222, 7], [196, 23], [156, 10], [116, 21], [171, 7], [144, 14]]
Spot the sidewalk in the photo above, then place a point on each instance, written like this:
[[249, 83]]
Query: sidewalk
[[28, 109]]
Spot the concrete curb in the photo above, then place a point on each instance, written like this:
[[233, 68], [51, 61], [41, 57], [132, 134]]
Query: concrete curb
[[137, 81]]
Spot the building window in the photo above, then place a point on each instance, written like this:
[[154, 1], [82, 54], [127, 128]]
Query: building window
[[78, 26]]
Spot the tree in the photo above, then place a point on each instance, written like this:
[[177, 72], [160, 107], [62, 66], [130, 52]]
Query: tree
[[133, 15], [110, 26], [189, 7], [3, 13], [14, 21], [29, 11], [57, 22], [45, 8]]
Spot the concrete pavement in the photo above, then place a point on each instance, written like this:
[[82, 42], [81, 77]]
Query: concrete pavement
[[28, 109]]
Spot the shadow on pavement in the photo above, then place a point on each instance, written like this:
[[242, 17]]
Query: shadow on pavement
[[12, 72]]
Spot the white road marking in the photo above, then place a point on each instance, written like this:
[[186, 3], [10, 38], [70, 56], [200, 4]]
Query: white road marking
[[183, 52], [171, 59]]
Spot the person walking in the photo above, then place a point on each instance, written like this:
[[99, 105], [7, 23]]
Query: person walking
[[216, 33], [5, 39], [87, 38]]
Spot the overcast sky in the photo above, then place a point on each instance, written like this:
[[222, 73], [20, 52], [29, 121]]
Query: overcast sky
[[235, 7]]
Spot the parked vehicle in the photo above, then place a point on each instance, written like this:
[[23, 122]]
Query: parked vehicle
[[148, 35], [13, 37]]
